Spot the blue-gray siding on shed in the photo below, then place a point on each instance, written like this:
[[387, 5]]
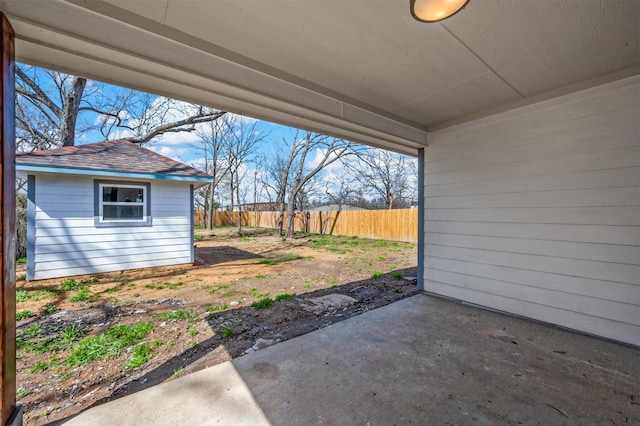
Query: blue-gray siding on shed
[[66, 241]]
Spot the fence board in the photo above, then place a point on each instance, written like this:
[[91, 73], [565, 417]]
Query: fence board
[[390, 225]]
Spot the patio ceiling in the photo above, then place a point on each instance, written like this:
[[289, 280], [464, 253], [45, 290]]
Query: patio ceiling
[[364, 70]]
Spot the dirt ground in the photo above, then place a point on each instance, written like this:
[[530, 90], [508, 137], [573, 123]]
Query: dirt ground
[[201, 314]]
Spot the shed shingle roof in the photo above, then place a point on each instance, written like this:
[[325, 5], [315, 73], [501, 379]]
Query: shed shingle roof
[[114, 156]]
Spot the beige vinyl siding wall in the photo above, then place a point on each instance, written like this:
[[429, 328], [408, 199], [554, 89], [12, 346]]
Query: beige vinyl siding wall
[[536, 211], [68, 243]]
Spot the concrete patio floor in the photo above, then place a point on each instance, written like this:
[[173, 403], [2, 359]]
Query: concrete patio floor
[[422, 360]]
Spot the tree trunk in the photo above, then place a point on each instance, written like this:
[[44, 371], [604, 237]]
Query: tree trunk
[[210, 210], [291, 221], [280, 225], [239, 207], [70, 113]]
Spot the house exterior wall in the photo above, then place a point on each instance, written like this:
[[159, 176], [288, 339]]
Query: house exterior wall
[[66, 241], [536, 211]]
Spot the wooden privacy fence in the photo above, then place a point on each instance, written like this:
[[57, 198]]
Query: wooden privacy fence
[[391, 225]]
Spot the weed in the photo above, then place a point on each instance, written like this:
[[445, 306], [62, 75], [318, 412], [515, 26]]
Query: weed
[[71, 334], [258, 295], [228, 332], [377, 274], [136, 294], [29, 340], [182, 314], [110, 290], [228, 294], [43, 365], [381, 258], [285, 296], [397, 275], [23, 315], [21, 277], [178, 372], [49, 309], [334, 281], [212, 289], [84, 295], [262, 303], [21, 260], [70, 284], [34, 330], [108, 344], [198, 237], [154, 287], [260, 276], [306, 286], [192, 332], [221, 307], [140, 355], [274, 260], [24, 295], [23, 392], [156, 343], [173, 286]]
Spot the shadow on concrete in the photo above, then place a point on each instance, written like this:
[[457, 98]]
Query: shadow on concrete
[[236, 330]]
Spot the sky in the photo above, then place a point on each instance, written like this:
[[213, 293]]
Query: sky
[[177, 145]]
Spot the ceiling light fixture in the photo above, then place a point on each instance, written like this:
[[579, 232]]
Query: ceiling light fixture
[[436, 10]]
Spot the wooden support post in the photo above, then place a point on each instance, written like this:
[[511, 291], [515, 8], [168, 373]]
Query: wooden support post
[[7, 225]]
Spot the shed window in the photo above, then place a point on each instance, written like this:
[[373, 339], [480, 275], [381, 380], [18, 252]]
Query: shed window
[[122, 203]]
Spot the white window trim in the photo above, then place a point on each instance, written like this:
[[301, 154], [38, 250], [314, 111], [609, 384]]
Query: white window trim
[[99, 204]]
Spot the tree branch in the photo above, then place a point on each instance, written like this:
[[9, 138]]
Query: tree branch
[[176, 126]]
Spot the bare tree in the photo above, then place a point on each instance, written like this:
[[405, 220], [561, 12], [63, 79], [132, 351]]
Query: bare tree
[[330, 150], [244, 140], [384, 174], [50, 106], [213, 140]]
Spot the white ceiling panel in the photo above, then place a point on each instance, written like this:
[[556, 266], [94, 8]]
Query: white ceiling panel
[[362, 69], [541, 45], [473, 95]]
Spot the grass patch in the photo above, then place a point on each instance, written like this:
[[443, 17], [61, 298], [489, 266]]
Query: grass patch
[[178, 372], [377, 274], [397, 275], [228, 332], [228, 294], [23, 392], [82, 296], [24, 315], [49, 309], [285, 296], [258, 295], [198, 237], [173, 286], [221, 307], [21, 261], [274, 260], [212, 289], [262, 303], [21, 277], [179, 315], [30, 340], [108, 344], [140, 355], [70, 284], [25, 295]]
